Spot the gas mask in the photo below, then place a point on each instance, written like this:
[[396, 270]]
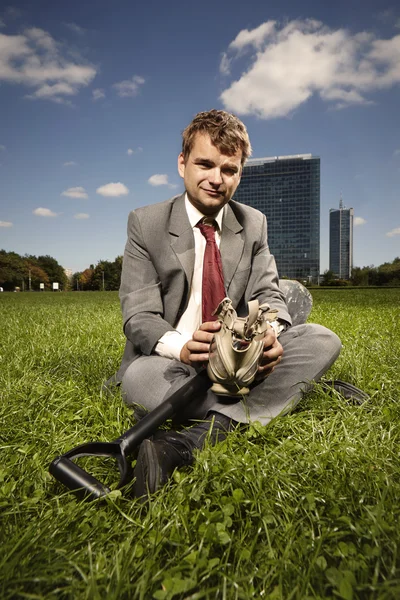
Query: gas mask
[[237, 348]]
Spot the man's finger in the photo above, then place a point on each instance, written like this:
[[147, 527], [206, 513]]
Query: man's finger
[[199, 358], [211, 326], [203, 336], [269, 337], [198, 346]]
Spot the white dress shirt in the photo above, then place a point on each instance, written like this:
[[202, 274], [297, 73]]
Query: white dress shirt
[[172, 342]]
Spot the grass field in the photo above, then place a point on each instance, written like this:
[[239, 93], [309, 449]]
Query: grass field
[[307, 507]]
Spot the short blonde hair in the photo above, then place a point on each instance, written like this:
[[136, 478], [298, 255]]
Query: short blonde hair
[[226, 132]]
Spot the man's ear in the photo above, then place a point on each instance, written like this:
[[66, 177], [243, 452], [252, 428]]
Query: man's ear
[[181, 165]]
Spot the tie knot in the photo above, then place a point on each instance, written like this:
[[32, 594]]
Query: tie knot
[[207, 227]]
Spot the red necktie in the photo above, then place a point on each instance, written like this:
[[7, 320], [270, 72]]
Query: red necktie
[[213, 288]]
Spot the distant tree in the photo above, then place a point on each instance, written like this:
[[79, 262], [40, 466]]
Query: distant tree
[[328, 277], [15, 269], [118, 271], [12, 270], [373, 275], [360, 276], [53, 269], [75, 281], [340, 282], [109, 272], [37, 275], [87, 280], [389, 272]]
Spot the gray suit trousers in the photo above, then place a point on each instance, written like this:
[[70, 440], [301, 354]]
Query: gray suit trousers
[[309, 351]]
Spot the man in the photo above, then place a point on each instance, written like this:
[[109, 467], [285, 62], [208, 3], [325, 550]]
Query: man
[[161, 299]]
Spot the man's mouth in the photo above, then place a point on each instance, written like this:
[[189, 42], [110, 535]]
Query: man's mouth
[[214, 192]]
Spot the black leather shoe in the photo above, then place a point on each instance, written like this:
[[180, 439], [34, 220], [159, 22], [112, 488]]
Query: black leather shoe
[[157, 459], [347, 390]]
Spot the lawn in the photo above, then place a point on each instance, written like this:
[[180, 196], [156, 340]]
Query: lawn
[[305, 508]]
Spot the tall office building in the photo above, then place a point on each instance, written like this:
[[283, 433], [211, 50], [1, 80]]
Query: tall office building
[[287, 190], [341, 241]]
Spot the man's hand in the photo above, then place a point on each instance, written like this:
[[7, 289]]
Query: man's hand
[[195, 351], [272, 354]]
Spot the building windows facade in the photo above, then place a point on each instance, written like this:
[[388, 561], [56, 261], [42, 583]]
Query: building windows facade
[[287, 190], [341, 241]]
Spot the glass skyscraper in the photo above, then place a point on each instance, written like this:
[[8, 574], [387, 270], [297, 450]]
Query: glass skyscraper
[[287, 190], [341, 241]]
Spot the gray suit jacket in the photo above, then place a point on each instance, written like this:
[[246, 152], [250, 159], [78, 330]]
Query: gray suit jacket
[[158, 267]]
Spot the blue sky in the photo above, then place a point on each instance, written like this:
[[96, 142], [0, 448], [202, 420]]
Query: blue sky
[[94, 97]]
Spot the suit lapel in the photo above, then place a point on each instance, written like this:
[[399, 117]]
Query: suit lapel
[[182, 242], [232, 245]]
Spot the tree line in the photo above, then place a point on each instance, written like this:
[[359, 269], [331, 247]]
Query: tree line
[[27, 272], [106, 275], [387, 274]]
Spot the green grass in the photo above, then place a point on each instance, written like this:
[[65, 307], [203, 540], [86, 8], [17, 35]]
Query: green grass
[[307, 507]]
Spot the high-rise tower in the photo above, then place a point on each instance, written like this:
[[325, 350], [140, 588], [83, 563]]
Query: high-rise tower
[[341, 240], [287, 190]]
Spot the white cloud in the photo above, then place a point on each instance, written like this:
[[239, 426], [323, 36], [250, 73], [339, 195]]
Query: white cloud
[[34, 59], [70, 163], [81, 216], [225, 64], [44, 212], [75, 28], [286, 65], [131, 151], [129, 87], [393, 232], [113, 190], [2, 148], [395, 153], [6, 224], [359, 221], [75, 192], [254, 38], [158, 179], [98, 94]]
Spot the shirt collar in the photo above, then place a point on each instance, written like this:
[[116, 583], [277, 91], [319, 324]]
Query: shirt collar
[[195, 215]]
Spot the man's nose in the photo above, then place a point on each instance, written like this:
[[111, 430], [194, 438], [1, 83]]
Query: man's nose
[[215, 176]]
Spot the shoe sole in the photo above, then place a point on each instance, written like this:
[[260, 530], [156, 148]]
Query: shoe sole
[[147, 470], [347, 390]]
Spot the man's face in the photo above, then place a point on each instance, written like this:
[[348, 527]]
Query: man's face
[[210, 177]]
